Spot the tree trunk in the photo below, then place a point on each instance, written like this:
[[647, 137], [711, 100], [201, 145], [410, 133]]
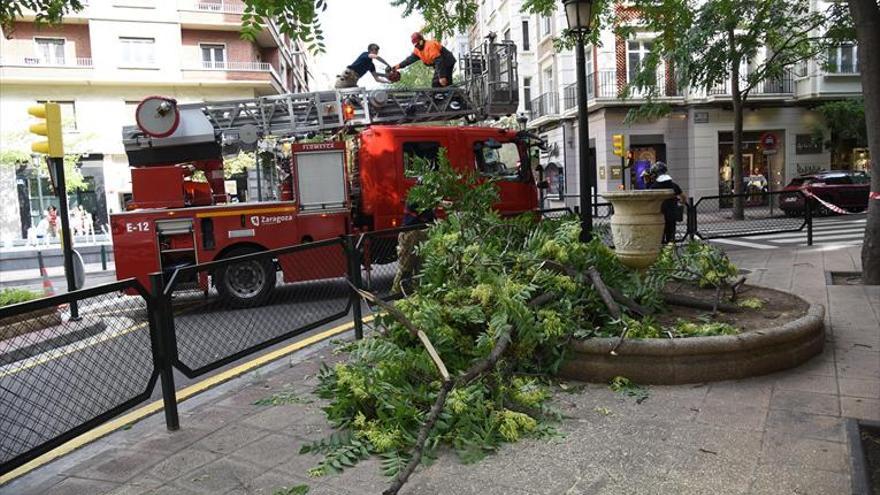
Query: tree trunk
[[866, 17], [736, 98]]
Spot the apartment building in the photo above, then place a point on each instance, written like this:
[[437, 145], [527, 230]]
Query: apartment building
[[100, 62], [695, 139]]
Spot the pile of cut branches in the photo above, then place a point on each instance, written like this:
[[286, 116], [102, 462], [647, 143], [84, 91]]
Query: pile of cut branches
[[464, 361]]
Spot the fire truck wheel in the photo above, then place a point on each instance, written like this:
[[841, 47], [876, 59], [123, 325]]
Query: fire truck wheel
[[246, 284]]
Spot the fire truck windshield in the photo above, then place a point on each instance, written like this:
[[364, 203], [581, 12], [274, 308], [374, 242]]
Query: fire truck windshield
[[499, 161]]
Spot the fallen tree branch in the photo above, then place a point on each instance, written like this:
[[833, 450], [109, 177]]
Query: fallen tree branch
[[596, 279], [629, 303], [400, 317], [734, 288], [693, 302], [481, 366]]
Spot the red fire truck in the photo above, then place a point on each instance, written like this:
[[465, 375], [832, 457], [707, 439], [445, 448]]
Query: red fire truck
[[356, 181]]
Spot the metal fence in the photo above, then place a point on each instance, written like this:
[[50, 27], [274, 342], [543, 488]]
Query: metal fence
[[60, 377], [712, 217]]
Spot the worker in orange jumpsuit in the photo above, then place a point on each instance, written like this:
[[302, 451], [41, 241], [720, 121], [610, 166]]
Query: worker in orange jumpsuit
[[432, 54]]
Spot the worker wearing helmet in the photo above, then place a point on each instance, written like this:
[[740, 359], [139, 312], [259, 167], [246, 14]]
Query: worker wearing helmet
[[363, 64], [432, 54]]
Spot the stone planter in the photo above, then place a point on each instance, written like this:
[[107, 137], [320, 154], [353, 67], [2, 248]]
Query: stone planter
[[637, 225], [699, 359]]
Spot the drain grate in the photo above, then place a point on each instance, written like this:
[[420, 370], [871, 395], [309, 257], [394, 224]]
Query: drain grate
[[843, 278], [864, 443]]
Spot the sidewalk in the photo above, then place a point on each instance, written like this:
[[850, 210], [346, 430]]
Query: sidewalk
[[778, 434], [33, 274]]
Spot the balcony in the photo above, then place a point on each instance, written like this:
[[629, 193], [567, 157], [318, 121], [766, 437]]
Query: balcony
[[36, 69], [198, 14], [545, 105], [782, 86], [234, 72], [219, 6]]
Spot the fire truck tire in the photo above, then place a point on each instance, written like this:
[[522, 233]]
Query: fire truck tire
[[246, 284]]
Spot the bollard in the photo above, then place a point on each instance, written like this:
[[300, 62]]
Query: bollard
[[103, 258], [808, 218], [354, 276]]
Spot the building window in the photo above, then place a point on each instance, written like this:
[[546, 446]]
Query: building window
[[525, 36], [547, 26], [213, 56], [548, 80], [50, 51], [68, 114], [843, 59], [527, 93], [636, 53], [138, 52]]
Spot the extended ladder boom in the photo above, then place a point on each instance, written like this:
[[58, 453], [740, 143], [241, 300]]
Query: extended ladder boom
[[490, 89]]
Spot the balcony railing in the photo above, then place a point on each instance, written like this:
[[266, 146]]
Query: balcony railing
[[77, 62], [607, 88], [849, 69], [775, 86], [234, 66], [220, 6], [546, 104]]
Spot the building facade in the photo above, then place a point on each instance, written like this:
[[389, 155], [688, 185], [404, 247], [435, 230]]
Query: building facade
[[100, 62], [695, 139]]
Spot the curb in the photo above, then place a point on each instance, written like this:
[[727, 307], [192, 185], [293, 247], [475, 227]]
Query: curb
[[699, 359], [52, 343]]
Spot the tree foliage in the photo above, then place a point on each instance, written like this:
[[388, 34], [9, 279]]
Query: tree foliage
[[44, 11]]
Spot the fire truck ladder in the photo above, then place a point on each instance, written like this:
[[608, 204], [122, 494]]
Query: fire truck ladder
[[489, 90]]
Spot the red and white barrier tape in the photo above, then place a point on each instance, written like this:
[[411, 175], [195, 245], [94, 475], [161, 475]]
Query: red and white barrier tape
[[874, 195], [826, 204]]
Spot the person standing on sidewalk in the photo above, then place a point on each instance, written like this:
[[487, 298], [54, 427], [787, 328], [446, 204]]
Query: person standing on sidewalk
[[671, 208], [52, 216]]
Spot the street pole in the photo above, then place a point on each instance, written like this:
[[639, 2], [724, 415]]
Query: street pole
[[586, 177], [66, 239]]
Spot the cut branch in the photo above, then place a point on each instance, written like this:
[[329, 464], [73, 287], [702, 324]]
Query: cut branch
[[629, 303], [692, 302], [596, 279], [403, 320]]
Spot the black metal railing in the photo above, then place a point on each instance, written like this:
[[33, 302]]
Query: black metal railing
[[546, 104], [713, 217], [61, 377], [228, 309]]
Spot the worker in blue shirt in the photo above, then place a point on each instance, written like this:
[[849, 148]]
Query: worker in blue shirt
[[363, 64]]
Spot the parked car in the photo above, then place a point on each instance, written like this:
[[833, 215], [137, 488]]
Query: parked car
[[843, 188]]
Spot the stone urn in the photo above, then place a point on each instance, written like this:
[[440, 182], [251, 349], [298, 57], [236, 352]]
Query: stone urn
[[637, 225]]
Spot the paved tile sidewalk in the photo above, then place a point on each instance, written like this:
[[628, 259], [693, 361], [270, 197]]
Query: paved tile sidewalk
[[777, 434]]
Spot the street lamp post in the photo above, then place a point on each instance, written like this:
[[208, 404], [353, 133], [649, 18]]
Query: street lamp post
[[579, 14]]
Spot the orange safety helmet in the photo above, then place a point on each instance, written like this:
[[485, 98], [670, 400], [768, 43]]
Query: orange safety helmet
[[416, 37]]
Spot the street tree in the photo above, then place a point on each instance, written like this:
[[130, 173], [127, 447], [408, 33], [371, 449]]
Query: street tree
[[746, 44], [865, 19]]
